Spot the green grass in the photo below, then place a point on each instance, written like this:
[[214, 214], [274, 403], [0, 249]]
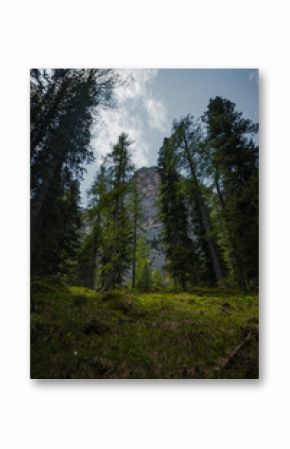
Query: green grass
[[78, 333]]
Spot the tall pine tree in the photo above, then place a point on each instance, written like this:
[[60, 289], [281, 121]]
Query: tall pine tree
[[188, 136], [113, 232], [62, 106], [233, 166], [178, 246]]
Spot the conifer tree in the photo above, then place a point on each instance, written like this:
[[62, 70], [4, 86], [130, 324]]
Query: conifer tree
[[188, 137], [62, 106], [178, 246], [233, 165], [56, 244], [114, 255]]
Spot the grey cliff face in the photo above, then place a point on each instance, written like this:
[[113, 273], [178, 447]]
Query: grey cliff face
[[148, 185]]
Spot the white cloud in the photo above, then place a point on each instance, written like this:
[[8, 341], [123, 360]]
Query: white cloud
[[135, 83], [111, 123], [157, 113], [135, 101]]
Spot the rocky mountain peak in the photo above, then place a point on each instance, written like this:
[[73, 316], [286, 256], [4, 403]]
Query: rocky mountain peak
[[148, 181]]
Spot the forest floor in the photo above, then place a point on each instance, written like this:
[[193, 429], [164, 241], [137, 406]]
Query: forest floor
[[78, 333]]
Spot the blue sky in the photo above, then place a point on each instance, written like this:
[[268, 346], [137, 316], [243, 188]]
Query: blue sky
[[150, 99]]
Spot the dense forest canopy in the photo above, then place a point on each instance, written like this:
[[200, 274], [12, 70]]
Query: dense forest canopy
[[207, 201]]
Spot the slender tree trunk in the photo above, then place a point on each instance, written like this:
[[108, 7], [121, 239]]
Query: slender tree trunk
[[134, 252], [92, 268], [204, 216], [210, 241], [220, 195]]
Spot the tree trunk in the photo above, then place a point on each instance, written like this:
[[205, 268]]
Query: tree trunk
[[92, 268], [204, 216], [134, 252], [210, 241], [225, 361]]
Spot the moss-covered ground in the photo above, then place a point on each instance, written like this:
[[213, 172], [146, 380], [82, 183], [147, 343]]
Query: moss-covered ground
[[78, 333]]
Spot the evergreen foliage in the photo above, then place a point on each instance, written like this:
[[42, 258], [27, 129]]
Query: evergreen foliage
[[178, 246], [209, 197], [62, 105], [188, 135], [143, 265], [112, 216], [232, 158]]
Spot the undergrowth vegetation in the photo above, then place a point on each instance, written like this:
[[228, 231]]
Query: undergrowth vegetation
[[79, 333]]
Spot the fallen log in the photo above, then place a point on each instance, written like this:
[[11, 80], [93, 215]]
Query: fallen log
[[224, 361]]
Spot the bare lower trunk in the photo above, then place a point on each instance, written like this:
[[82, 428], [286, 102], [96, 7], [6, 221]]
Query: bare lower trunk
[[210, 241], [134, 253]]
